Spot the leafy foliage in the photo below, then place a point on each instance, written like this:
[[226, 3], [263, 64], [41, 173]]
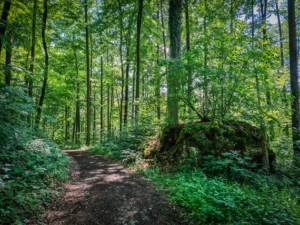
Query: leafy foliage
[[217, 200], [14, 107], [31, 169]]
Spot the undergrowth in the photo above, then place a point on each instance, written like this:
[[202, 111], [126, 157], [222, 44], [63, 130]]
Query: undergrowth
[[31, 169], [231, 190], [29, 178], [236, 198]]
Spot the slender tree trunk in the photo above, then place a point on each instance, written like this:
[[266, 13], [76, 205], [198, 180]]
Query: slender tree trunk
[[157, 75], [188, 47], [67, 123], [163, 29], [108, 110], [3, 24], [284, 89], [205, 86], [133, 96], [138, 59], [88, 85], [122, 67], [294, 76], [77, 113], [280, 35], [8, 54], [101, 99], [32, 52], [93, 92], [42, 97], [127, 81], [265, 152]]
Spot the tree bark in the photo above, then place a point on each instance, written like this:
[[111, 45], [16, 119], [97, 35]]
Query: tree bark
[[29, 80], [122, 67], [101, 99], [188, 47], [126, 103], [294, 75], [42, 97], [88, 85], [175, 7], [8, 55], [3, 21], [138, 58], [77, 113]]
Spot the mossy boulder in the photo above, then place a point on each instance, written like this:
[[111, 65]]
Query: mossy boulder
[[186, 143]]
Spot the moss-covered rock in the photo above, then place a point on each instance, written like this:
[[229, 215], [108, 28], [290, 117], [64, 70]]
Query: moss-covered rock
[[186, 143]]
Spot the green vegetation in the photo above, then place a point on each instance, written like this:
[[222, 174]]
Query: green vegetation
[[31, 168], [229, 190], [117, 74], [219, 200]]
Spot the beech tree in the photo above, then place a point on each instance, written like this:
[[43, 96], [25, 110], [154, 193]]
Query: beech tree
[[294, 76], [175, 10], [3, 21], [88, 76], [45, 77]]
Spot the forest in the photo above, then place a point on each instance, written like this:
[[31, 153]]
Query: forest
[[201, 97]]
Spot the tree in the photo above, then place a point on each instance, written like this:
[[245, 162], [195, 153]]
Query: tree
[[294, 76], [3, 21], [29, 80], [175, 7], [8, 56], [138, 57], [43, 92], [88, 85]]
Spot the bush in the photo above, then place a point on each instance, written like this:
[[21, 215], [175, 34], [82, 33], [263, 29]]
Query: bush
[[220, 201], [31, 169], [29, 178]]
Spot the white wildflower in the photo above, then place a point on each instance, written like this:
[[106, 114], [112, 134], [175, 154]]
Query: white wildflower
[[6, 169]]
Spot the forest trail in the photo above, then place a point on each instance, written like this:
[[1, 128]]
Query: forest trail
[[100, 191]]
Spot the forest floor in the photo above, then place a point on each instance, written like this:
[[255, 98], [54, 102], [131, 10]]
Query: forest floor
[[100, 191]]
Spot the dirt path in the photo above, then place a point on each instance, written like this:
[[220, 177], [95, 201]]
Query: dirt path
[[103, 192]]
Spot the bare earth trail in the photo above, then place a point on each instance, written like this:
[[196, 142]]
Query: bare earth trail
[[101, 191]]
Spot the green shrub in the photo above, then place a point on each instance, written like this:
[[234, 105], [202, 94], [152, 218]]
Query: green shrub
[[221, 201], [29, 177]]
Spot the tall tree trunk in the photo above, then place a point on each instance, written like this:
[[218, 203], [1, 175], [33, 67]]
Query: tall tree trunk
[[67, 122], [205, 86], [163, 29], [172, 75], [8, 55], [188, 47], [157, 75], [138, 58], [280, 35], [42, 97], [93, 92], [4, 16], [101, 99], [32, 52], [294, 75], [77, 113], [122, 66], [133, 96], [264, 5], [126, 103], [108, 110], [284, 89], [88, 85]]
